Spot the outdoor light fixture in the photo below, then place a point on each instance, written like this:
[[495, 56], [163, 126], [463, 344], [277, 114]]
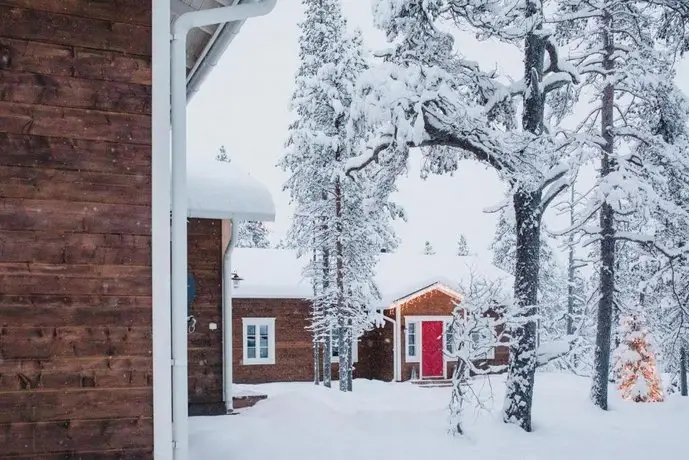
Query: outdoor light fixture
[[235, 280]]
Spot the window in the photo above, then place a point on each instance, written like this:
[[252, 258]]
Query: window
[[259, 340], [480, 340], [449, 342], [335, 351], [412, 341]]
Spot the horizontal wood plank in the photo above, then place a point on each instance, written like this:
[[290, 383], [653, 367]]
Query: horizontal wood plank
[[52, 216], [33, 88], [22, 150], [76, 435], [94, 187], [83, 124], [44, 343], [126, 11], [66, 61], [114, 454], [30, 310], [48, 27], [74, 248], [75, 373], [53, 405]]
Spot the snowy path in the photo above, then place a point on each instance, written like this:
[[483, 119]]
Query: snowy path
[[400, 421]]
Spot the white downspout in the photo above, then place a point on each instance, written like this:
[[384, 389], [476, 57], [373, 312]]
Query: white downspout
[[398, 329], [180, 28], [160, 232], [227, 319]]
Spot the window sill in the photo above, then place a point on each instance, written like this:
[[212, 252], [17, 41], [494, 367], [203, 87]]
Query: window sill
[[258, 362]]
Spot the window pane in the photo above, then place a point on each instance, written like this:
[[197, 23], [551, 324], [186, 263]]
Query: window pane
[[264, 351], [251, 341], [411, 339], [412, 350], [264, 336]]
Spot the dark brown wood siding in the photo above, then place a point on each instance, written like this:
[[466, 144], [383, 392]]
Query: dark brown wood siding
[[205, 343], [293, 345], [75, 229]]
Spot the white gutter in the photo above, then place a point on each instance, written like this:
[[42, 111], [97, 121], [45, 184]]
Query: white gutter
[[227, 319], [398, 344], [160, 231], [180, 29]]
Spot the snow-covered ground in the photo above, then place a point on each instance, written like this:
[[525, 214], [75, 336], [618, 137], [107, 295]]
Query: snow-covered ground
[[381, 420]]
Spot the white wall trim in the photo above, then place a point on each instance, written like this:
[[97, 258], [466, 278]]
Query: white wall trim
[[160, 231]]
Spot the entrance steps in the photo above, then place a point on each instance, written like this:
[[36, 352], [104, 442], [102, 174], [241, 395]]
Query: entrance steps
[[433, 383]]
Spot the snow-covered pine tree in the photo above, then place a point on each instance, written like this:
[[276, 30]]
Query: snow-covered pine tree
[[426, 95], [626, 59], [428, 248], [222, 155], [635, 366], [338, 219], [462, 246], [252, 234]]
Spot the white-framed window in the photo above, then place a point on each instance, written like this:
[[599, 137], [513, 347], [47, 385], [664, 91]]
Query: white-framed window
[[449, 343], [412, 348], [335, 350], [479, 340], [259, 340]]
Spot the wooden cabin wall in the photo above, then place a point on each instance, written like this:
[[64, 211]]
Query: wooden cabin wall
[[75, 229], [205, 252]]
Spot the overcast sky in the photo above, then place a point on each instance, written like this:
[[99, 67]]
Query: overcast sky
[[244, 105]]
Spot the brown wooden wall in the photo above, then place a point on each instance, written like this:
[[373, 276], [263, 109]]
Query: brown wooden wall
[[75, 212], [205, 344]]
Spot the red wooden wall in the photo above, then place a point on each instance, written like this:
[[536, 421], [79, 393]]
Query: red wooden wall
[[75, 243]]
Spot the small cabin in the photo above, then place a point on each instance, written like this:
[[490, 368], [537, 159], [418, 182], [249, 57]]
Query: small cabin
[[271, 313]]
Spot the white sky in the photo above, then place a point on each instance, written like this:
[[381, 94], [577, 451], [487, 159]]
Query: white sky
[[244, 105]]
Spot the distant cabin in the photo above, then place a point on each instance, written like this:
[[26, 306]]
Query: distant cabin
[[271, 315]]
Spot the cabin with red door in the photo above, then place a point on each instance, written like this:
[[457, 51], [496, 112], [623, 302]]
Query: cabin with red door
[[271, 314]]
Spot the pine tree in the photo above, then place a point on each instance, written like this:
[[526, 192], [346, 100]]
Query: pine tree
[[222, 155], [426, 95], [462, 246], [634, 364], [339, 220], [625, 55], [428, 248], [252, 234]]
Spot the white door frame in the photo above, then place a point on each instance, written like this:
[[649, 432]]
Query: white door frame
[[445, 319]]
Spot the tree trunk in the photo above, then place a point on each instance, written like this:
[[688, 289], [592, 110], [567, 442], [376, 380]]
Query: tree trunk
[[327, 366], [342, 322], [350, 355], [570, 270], [599, 389], [316, 364], [327, 313], [522, 364], [683, 371], [527, 203]]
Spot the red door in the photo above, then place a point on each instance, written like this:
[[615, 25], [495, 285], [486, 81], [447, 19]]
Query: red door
[[432, 349]]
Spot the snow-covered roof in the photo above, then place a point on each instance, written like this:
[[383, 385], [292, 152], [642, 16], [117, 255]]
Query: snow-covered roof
[[222, 190], [278, 273]]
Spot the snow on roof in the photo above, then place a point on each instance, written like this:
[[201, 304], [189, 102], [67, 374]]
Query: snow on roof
[[222, 190], [278, 273]]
